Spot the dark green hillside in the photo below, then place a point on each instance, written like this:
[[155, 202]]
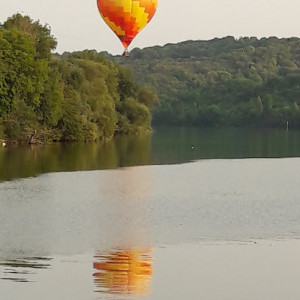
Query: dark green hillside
[[223, 82]]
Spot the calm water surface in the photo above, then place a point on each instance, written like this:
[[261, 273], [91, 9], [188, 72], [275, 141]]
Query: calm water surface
[[181, 214]]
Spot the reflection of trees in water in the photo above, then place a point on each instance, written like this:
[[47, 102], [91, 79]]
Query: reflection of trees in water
[[124, 271], [25, 161], [22, 269], [166, 145], [133, 150]]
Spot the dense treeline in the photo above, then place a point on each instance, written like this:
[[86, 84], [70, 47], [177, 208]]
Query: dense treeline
[[84, 96], [81, 96], [223, 82]]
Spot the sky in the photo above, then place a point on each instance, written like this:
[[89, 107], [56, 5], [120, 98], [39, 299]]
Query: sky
[[77, 25]]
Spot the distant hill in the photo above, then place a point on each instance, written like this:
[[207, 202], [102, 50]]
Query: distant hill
[[222, 82]]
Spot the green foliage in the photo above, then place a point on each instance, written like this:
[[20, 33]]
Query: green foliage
[[79, 96], [191, 77], [146, 96], [1, 129], [136, 113], [257, 106], [72, 120], [268, 104], [44, 41], [126, 85], [21, 122], [22, 76], [50, 110]]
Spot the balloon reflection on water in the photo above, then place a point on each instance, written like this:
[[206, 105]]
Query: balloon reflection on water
[[124, 271]]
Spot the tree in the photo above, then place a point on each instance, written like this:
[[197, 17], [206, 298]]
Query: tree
[[23, 75], [21, 122], [72, 121], [74, 97], [268, 104], [134, 117], [1, 129], [44, 41], [50, 108], [126, 83], [257, 106], [146, 96]]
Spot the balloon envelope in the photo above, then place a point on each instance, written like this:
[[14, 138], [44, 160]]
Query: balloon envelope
[[127, 18]]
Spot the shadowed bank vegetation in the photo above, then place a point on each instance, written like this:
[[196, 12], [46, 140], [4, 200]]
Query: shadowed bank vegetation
[[78, 97], [223, 82]]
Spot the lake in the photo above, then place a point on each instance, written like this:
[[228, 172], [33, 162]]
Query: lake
[[183, 213]]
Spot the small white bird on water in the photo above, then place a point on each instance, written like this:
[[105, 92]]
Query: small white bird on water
[[3, 144]]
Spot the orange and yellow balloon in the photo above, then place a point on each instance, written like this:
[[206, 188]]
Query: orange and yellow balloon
[[127, 18], [127, 271]]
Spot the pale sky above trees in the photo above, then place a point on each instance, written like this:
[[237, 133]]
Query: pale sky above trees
[[77, 24]]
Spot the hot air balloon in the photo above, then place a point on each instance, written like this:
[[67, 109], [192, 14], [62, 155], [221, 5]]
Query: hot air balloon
[[127, 18]]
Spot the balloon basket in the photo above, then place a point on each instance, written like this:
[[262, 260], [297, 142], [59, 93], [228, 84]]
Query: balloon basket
[[126, 52]]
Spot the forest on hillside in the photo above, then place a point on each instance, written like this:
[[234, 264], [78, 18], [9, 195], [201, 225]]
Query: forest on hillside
[[222, 82], [90, 96], [79, 97]]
